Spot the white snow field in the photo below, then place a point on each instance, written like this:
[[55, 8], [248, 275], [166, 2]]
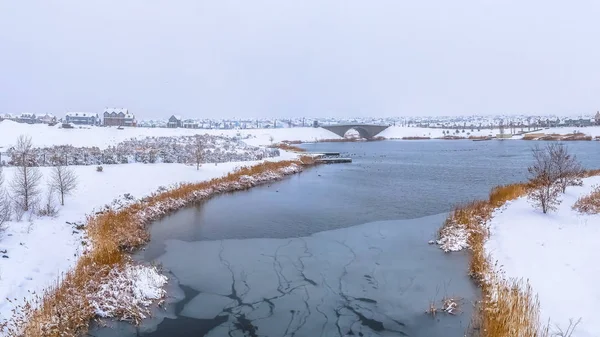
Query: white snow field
[[102, 137], [557, 252], [40, 249]]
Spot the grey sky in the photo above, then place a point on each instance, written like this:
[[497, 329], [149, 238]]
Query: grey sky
[[300, 58]]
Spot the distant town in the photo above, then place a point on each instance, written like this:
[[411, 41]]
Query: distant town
[[122, 117]]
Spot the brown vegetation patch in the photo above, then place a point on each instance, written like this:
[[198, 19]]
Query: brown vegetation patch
[[65, 309], [557, 137], [288, 147], [589, 204], [531, 136]]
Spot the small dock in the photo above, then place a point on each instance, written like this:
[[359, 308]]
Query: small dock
[[333, 160], [324, 154]]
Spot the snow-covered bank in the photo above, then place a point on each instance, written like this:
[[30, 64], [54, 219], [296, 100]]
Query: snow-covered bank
[[45, 136], [90, 288], [39, 251], [593, 131], [399, 132], [517, 252], [557, 253]]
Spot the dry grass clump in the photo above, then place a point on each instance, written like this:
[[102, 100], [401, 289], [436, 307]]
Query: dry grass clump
[[589, 204], [508, 308], [288, 147], [501, 194], [590, 173], [577, 136], [67, 308]]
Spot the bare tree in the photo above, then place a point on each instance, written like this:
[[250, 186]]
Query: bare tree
[[567, 168], [63, 180], [544, 190], [25, 184], [5, 204], [198, 151]]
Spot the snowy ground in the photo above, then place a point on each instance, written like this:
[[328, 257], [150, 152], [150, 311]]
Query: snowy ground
[[102, 137], [38, 250], [557, 252]]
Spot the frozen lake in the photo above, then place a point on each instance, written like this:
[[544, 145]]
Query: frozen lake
[[338, 250]]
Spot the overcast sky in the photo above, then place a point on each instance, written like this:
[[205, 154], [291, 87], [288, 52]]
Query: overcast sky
[[300, 58]]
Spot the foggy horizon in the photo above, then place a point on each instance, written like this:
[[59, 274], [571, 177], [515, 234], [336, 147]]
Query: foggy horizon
[[269, 59]]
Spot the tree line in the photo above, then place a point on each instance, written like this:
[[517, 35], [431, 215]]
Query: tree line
[[21, 194]]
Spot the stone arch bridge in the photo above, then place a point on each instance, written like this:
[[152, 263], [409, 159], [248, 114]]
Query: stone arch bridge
[[366, 131]]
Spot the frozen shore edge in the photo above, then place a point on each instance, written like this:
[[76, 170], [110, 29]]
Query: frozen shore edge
[[116, 289]]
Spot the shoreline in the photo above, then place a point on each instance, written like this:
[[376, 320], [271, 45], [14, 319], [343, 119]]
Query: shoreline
[[84, 292], [509, 306]]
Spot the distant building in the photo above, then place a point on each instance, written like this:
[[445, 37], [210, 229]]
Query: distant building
[[118, 117], [174, 122], [27, 118], [8, 117], [82, 118], [46, 118], [190, 124], [579, 122], [597, 118]]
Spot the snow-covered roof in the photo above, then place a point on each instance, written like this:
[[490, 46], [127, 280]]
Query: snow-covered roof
[[119, 110], [26, 115], [116, 110], [81, 114], [178, 117]]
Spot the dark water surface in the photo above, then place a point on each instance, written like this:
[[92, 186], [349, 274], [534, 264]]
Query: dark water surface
[[338, 250]]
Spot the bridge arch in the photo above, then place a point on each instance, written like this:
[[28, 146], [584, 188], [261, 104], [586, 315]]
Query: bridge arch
[[364, 130]]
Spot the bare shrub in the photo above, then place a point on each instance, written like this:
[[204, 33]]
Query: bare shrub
[[18, 210], [63, 180], [99, 169], [567, 169], [49, 206], [198, 151], [5, 204], [589, 204], [544, 191]]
